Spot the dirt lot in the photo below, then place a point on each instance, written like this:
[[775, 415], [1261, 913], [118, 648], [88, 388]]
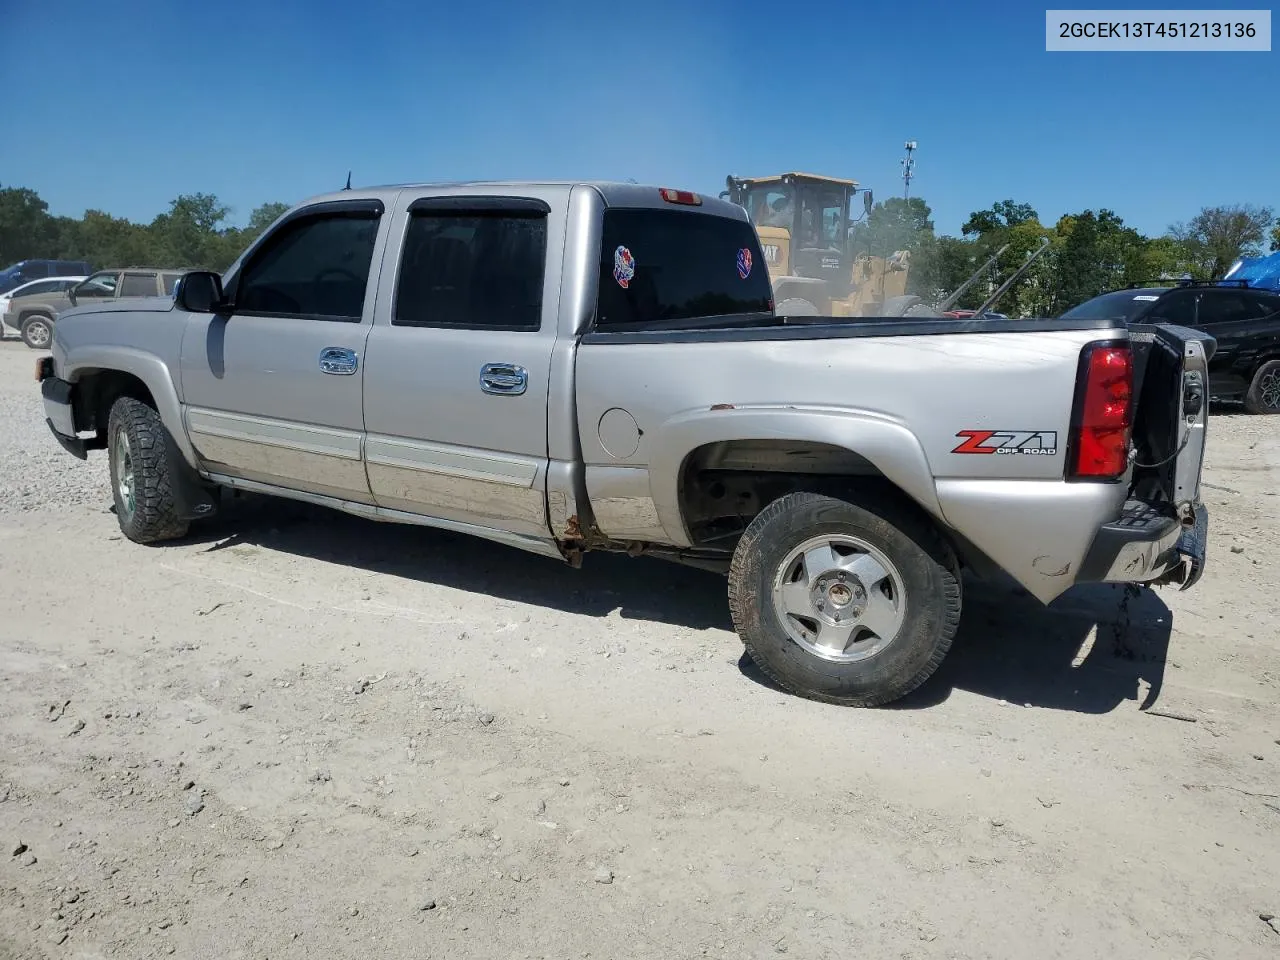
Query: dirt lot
[[299, 734]]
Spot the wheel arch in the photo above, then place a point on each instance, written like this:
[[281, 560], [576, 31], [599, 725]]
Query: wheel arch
[[107, 373], [777, 441]]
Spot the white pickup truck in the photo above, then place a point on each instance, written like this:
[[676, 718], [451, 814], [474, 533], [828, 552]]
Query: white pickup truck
[[568, 367]]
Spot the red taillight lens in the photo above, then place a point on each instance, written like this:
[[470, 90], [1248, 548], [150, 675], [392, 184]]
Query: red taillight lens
[[680, 196], [1104, 413]]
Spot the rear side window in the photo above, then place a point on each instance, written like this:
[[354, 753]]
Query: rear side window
[[138, 285], [473, 270], [1227, 307], [45, 286], [314, 267], [660, 267]]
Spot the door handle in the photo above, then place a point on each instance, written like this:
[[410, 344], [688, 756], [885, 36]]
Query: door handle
[[504, 379], [339, 361]]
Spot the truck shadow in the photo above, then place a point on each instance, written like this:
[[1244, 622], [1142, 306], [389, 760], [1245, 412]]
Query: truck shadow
[[638, 588], [1090, 651]]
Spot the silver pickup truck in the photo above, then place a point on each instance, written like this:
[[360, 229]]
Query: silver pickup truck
[[567, 367]]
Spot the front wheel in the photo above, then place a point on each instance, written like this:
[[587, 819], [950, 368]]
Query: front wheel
[[1264, 391], [843, 603], [37, 332], [137, 447]]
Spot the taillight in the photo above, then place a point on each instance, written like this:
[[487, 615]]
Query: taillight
[[1103, 417], [680, 196]]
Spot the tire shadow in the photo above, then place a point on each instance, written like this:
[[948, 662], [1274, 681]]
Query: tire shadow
[[1091, 650]]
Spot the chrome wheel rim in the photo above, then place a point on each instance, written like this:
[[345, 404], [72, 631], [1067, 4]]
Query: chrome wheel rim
[[38, 333], [125, 486], [1269, 389], [839, 598]]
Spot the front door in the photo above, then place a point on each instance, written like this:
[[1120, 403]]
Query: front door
[[459, 361], [272, 392]]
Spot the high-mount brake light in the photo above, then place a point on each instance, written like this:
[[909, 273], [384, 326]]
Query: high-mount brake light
[[1102, 421], [688, 198]]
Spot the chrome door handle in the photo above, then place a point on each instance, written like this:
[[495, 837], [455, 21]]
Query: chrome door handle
[[339, 361], [504, 379]]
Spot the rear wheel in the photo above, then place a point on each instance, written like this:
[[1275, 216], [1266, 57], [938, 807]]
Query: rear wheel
[[843, 603], [137, 445], [37, 332], [1264, 391]]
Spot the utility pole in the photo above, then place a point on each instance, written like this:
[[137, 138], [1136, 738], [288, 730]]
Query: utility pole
[[908, 169]]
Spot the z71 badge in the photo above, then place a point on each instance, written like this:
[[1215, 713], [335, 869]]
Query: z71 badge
[[1039, 443]]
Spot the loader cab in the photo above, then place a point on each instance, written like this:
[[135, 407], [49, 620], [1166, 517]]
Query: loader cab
[[803, 222]]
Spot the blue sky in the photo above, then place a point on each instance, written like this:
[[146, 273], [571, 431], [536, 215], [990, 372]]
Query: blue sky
[[135, 103]]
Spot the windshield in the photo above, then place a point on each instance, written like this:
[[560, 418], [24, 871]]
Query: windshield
[[770, 205], [1120, 305], [10, 277]]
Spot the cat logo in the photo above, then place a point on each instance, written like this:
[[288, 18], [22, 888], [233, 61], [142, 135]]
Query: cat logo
[[1041, 443]]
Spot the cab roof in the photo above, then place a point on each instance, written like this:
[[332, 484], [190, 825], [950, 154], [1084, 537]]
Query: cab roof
[[802, 177]]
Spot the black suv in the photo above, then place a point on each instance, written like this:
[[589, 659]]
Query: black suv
[[1244, 320]]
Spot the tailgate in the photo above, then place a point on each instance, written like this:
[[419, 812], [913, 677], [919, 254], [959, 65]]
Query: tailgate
[[1172, 386], [1171, 383]]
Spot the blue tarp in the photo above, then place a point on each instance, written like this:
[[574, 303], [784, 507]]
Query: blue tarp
[[1262, 272]]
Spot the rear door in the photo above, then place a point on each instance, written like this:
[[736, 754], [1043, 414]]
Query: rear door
[[137, 283], [272, 391], [459, 359]]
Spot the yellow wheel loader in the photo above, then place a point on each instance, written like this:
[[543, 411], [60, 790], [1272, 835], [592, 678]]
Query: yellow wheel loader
[[803, 221]]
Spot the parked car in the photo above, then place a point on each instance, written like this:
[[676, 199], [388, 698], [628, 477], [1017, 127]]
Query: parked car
[[574, 367], [25, 271], [35, 288], [33, 316], [1242, 318]]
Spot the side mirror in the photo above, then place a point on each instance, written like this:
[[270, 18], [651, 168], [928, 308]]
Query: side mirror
[[200, 292]]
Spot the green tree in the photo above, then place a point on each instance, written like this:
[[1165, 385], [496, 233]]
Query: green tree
[[1275, 238], [265, 215], [24, 221], [1217, 237], [1000, 216]]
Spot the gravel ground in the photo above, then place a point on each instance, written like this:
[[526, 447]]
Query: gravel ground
[[299, 734]]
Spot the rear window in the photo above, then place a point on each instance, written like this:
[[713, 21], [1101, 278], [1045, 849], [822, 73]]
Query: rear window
[[665, 266], [1120, 305]]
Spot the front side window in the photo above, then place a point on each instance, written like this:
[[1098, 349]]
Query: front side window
[[664, 266], [480, 271], [170, 282], [1178, 307], [315, 267], [138, 285], [99, 285]]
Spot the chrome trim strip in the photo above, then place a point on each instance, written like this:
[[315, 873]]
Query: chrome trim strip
[[325, 441], [471, 464]]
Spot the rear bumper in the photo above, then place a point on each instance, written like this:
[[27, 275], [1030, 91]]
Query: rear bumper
[[1145, 545]]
